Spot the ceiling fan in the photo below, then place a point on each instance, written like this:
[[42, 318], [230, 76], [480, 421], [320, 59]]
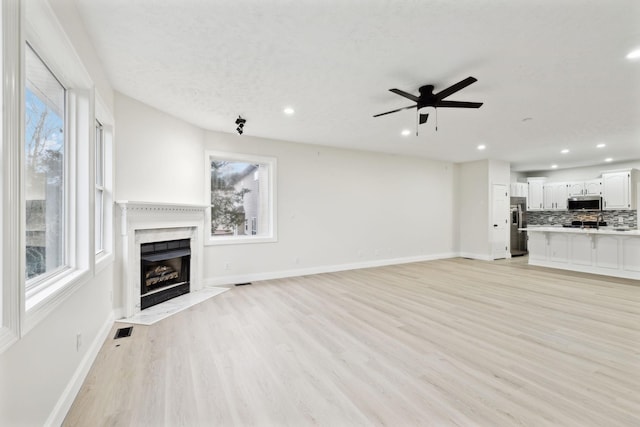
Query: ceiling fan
[[437, 100]]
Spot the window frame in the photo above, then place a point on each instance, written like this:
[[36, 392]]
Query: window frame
[[106, 256], [38, 283], [99, 225], [268, 237], [44, 34]]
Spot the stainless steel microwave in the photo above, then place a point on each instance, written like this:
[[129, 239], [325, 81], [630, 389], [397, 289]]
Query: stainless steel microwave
[[584, 203]]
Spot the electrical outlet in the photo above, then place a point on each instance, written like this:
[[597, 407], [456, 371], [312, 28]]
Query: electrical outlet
[[296, 260], [227, 265], [620, 220]]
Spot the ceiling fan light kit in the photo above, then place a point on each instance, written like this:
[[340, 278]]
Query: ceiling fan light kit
[[436, 100]]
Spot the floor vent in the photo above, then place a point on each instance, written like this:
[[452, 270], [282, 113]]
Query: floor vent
[[123, 332]]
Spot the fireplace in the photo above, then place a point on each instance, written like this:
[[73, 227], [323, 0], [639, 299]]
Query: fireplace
[[144, 223], [164, 268]]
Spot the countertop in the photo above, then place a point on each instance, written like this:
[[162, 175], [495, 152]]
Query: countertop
[[602, 230]]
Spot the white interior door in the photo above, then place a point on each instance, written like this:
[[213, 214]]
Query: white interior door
[[499, 221]]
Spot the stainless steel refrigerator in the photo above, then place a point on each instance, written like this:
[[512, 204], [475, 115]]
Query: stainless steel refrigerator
[[518, 220]]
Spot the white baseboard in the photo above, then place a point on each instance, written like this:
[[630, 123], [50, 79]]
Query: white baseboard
[[244, 278], [481, 257], [73, 387]]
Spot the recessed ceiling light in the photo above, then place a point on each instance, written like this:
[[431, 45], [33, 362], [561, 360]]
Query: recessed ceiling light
[[406, 132], [554, 166], [288, 111], [601, 145], [634, 54], [565, 151], [481, 147], [608, 159]]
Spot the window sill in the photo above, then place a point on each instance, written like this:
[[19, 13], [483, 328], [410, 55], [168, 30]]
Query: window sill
[[42, 303], [239, 240]]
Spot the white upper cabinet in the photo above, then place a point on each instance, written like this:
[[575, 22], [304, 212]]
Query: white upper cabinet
[[592, 187], [519, 189], [575, 189], [619, 189], [555, 196], [536, 195]]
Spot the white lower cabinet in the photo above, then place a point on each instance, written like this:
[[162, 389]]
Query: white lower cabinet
[[608, 253], [537, 246], [631, 257], [581, 249], [558, 247]]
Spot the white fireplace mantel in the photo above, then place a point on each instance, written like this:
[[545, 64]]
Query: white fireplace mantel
[[144, 222]]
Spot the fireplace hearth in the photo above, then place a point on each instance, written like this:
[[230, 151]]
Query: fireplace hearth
[[165, 271]]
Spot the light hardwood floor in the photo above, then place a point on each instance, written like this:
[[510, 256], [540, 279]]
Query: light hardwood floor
[[453, 342]]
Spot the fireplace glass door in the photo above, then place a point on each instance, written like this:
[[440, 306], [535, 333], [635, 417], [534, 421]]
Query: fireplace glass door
[[164, 270]]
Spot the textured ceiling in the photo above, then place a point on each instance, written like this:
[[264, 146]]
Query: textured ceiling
[[552, 73]]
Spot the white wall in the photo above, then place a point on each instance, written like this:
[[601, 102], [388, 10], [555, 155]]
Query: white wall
[[37, 372], [473, 198], [340, 209], [158, 158]]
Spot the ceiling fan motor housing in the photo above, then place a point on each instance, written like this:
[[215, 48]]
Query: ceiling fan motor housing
[[427, 98]]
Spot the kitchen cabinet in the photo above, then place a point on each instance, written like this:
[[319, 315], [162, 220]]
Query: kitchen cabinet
[[575, 189], [619, 189], [519, 189], [592, 187], [555, 196], [535, 194]]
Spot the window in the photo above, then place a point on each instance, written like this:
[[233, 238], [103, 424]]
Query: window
[[100, 192], [44, 171], [240, 191]]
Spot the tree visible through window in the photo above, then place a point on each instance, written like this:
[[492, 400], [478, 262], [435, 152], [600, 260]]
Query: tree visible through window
[[233, 195], [241, 195], [44, 168]]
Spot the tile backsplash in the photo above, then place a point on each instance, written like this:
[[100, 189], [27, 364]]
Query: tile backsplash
[[629, 218]]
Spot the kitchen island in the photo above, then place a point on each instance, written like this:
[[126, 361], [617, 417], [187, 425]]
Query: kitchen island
[[606, 250]]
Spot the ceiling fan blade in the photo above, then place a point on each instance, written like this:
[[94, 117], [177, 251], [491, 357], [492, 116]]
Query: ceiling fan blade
[[456, 87], [395, 111], [457, 104], [405, 94]]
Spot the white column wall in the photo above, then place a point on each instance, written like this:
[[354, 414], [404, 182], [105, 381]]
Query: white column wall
[[473, 204]]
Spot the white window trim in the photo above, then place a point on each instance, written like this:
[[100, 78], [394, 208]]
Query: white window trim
[[272, 235], [12, 130], [106, 257], [53, 290]]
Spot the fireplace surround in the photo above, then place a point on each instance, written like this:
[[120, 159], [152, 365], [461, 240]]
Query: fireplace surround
[[144, 225]]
